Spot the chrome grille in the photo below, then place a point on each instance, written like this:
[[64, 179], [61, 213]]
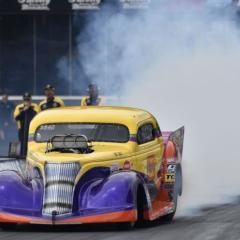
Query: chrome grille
[[59, 187]]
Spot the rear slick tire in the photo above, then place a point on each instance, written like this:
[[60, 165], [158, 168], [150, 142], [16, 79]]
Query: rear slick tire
[[177, 191]]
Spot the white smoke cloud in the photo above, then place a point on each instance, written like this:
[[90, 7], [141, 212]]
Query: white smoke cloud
[[191, 78], [183, 66]]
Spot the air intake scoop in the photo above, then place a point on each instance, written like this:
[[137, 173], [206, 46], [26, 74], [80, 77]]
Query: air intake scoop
[[69, 143]]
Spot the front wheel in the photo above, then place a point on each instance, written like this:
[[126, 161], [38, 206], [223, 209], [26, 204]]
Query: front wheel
[[141, 203]]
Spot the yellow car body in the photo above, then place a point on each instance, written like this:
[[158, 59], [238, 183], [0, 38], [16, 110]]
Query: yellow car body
[[136, 179], [105, 154]]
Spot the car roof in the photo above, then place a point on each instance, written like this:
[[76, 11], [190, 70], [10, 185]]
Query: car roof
[[94, 114]]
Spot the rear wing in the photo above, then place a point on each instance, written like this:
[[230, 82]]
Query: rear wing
[[177, 137]]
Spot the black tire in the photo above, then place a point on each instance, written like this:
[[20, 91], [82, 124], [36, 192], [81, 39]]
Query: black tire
[[177, 191], [141, 202], [8, 226], [124, 226]]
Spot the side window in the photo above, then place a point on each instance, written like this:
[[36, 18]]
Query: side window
[[145, 133]]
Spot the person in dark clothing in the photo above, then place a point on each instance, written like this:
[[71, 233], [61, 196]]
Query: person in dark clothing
[[6, 111], [51, 101], [23, 114], [7, 127], [93, 99]]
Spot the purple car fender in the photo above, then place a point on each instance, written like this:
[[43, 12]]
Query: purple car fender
[[117, 191], [19, 196], [98, 191]]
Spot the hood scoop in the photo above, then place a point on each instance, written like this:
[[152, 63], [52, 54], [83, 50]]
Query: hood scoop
[[69, 144]]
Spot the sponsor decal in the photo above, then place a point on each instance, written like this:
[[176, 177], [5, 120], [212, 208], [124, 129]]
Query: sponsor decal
[[118, 154], [50, 127], [85, 4], [127, 165], [114, 167], [151, 167], [128, 4], [171, 160], [171, 168], [27, 5], [170, 178]]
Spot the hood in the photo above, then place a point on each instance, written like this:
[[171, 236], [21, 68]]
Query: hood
[[101, 152]]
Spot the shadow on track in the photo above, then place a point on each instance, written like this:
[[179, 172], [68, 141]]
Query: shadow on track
[[106, 227]]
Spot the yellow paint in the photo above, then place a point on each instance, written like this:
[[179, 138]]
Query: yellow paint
[[145, 158]]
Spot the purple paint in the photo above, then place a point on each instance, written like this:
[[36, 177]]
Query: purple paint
[[97, 192]]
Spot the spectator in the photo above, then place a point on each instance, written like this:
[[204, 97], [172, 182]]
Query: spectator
[[93, 99], [6, 122], [51, 101], [23, 114]]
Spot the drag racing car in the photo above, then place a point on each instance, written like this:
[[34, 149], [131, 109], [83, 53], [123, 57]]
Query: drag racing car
[[93, 165]]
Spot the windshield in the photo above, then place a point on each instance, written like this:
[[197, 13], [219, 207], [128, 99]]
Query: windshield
[[97, 132]]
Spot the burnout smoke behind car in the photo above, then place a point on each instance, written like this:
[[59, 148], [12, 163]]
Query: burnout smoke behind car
[[182, 65]]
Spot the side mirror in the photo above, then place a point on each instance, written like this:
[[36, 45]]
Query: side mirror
[[14, 150]]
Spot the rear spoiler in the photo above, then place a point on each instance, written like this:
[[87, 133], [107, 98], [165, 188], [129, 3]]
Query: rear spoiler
[[177, 137]]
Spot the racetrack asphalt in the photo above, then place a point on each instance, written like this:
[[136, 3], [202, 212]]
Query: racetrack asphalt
[[219, 223]]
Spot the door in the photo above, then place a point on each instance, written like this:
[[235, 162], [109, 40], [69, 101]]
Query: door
[[149, 150]]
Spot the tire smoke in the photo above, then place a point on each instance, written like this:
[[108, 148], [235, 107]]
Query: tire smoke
[[182, 65], [190, 78]]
